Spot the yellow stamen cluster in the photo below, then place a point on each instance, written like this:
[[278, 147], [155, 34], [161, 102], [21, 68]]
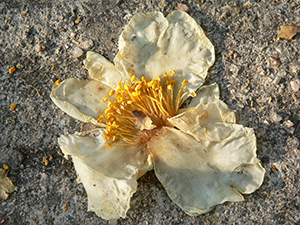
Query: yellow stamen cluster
[[153, 98]]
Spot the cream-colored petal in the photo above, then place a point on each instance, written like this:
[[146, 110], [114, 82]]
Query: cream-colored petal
[[199, 175], [190, 120], [102, 70], [151, 45], [206, 94], [117, 161], [108, 197], [81, 99]]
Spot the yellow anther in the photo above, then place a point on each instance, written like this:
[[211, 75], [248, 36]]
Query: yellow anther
[[104, 99], [126, 87], [132, 78], [158, 79], [101, 117], [129, 102], [170, 87], [120, 85], [138, 87], [193, 94], [131, 72], [114, 138], [108, 144], [136, 93], [107, 111], [184, 82], [172, 72], [174, 81], [112, 92], [120, 99]]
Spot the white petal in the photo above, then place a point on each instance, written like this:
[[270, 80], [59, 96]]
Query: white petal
[[200, 175], [191, 120], [117, 161], [102, 70], [205, 94], [108, 197], [81, 99], [151, 45]]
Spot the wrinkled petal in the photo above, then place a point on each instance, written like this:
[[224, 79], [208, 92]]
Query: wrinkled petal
[[108, 197], [199, 175], [151, 45], [81, 99], [117, 161], [191, 120], [101, 69], [205, 94]]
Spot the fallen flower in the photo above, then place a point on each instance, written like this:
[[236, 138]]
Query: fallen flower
[[198, 153]]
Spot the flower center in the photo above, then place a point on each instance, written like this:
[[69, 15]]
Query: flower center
[[141, 108]]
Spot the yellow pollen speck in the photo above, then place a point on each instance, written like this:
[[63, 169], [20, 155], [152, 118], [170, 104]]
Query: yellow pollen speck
[[108, 144], [12, 70], [65, 207], [131, 72], [5, 167], [13, 106], [104, 99]]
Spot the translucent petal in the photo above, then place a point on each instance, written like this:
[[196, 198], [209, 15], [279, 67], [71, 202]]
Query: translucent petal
[[108, 197], [205, 94], [102, 70], [199, 175], [117, 161], [194, 119], [151, 45], [81, 99]]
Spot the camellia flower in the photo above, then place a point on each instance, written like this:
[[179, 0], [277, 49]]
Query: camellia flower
[[199, 153]]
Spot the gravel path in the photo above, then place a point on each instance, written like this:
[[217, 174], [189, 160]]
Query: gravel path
[[258, 74]]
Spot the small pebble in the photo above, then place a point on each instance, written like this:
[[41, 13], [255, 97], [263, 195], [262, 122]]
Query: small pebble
[[77, 52], [20, 66], [274, 61], [45, 209], [275, 117], [88, 44], [40, 48], [183, 7], [73, 35], [295, 84]]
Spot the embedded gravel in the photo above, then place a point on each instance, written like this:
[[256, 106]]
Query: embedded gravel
[[257, 72]]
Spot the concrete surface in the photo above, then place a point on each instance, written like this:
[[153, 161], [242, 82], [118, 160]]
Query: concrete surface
[[257, 74]]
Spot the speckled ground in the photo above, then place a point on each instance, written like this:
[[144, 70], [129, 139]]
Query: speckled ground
[[257, 74]]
